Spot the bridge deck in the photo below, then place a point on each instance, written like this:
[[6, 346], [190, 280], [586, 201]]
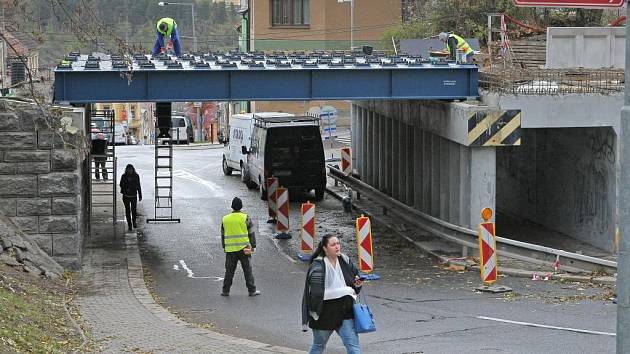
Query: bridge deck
[[247, 76]]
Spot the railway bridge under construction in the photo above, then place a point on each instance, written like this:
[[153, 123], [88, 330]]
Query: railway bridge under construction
[[422, 133]]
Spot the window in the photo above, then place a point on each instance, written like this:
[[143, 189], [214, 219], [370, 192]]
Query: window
[[290, 12]]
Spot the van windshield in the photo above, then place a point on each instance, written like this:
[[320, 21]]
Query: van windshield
[[287, 145], [178, 122]]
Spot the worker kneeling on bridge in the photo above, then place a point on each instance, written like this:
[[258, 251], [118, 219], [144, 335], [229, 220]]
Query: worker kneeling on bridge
[[454, 43], [238, 239], [167, 27]]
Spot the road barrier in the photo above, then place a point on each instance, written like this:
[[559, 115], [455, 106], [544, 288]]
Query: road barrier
[[346, 161], [487, 249], [366, 252], [307, 231], [272, 188], [282, 221]]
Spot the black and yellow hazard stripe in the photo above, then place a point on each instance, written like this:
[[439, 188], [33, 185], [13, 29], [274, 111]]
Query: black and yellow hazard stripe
[[502, 128]]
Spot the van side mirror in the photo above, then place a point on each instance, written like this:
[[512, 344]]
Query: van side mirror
[[244, 150]]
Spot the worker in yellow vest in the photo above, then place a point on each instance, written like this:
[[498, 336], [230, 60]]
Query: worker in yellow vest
[[167, 27], [455, 42], [238, 239]]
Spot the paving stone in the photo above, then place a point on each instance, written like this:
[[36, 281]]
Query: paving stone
[[57, 224], [64, 160], [23, 156], [13, 140], [33, 206], [33, 167], [9, 122], [7, 168], [64, 206], [18, 186], [58, 184]]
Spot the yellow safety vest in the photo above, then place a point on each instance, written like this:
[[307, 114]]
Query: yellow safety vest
[[461, 44], [235, 233], [171, 24]]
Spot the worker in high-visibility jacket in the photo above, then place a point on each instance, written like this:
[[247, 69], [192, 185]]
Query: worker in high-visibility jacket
[[454, 43], [167, 27], [238, 239]]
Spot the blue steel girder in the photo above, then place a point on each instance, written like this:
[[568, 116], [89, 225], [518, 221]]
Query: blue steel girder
[[267, 83]]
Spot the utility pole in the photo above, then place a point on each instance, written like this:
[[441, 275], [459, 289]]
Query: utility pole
[[623, 263], [351, 25]]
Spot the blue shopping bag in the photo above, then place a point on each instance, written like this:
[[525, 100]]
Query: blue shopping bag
[[363, 318]]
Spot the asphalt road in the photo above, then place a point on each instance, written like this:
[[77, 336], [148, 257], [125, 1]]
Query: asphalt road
[[418, 306]]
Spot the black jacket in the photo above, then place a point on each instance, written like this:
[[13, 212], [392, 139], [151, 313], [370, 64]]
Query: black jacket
[[130, 185], [313, 298], [99, 147]]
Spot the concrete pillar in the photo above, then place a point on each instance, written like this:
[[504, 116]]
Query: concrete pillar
[[410, 138], [374, 148], [464, 186], [417, 168], [391, 139], [364, 143], [402, 161], [444, 182], [426, 172], [482, 182], [435, 175], [382, 148], [353, 135], [395, 159], [388, 154], [455, 176], [369, 176]]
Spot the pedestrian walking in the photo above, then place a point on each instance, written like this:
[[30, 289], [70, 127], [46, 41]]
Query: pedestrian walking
[[99, 152], [238, 239], [331, 287], [132, 193]]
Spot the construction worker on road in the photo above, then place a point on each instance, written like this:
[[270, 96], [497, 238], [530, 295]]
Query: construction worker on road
[[238, 239], [454, 43], [167, 27]]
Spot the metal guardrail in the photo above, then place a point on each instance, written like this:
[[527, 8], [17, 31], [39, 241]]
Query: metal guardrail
[[552, 81], [536, 254]]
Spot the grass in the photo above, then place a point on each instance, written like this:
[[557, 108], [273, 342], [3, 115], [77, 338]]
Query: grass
[[33, 318]]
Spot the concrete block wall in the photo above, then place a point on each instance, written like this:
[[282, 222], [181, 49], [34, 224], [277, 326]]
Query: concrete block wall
[[395, 152], [41, 181], [564, 179]]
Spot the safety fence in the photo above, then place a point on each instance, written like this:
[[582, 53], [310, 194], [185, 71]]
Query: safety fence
[[552, 82]]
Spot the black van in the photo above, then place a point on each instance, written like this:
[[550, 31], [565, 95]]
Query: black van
[[288, 148]]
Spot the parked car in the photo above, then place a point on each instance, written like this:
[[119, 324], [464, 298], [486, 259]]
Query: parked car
[[288, 148], [241, 126]]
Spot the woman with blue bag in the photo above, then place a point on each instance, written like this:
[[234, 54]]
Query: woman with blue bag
[[331, 288]]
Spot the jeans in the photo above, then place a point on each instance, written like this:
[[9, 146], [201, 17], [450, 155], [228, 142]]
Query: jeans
[[231, 261], [346, 331], [130, 209]]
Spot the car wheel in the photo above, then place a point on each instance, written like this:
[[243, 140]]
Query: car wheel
[[227, 170], [263, 192], [319, 194], [246, 179]]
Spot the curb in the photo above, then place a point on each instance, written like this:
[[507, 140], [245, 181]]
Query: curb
[[141, 293], [198, 146], [520, 273]]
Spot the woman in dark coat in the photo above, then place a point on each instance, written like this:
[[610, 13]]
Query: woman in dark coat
[[132, 192], [332, 284]]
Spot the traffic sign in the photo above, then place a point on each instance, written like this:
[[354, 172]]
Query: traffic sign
[[592, 4]]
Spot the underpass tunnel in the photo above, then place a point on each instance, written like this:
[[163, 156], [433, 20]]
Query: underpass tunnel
[[558, 189]]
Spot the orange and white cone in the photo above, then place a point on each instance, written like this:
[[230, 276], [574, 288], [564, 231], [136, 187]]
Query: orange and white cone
[[307, 231]]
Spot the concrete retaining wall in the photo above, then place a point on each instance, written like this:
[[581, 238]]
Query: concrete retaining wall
[[586, 47], [563, 179], [41, 179]]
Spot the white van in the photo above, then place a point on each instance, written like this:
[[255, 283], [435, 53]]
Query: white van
[[241, 126], [120, 134], [182, 130]]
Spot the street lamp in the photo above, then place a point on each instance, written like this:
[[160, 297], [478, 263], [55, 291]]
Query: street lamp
[[351, 22], [192, 8]]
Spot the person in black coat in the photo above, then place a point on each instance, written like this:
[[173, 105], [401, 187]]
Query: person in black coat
[[132, 192], [332, 284], [99, 152]]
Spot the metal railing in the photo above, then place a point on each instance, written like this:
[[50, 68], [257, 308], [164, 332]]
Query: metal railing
[[531, 253], [553, 81]]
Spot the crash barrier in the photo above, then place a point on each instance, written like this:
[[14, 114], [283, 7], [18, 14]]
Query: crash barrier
[[282, 216], [346, 161], [307, 231], [487, 249], [272, 188], [366, 252]]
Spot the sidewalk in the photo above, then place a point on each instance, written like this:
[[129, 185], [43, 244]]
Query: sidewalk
[[116, 305]]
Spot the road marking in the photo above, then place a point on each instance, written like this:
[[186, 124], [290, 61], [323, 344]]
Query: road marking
[[191, 274], [577, 330], [215, 188]]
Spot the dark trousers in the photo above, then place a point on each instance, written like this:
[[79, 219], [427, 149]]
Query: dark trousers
[[99, 164], [130, 209], [231, 260]]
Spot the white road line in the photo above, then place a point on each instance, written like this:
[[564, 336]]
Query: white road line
[[190, 272], [577, 330]]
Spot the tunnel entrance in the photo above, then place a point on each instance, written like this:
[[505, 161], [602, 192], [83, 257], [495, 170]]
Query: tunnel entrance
[[559, 189]]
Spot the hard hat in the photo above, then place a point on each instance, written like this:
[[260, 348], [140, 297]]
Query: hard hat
[[443, 36], [163, 26]]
